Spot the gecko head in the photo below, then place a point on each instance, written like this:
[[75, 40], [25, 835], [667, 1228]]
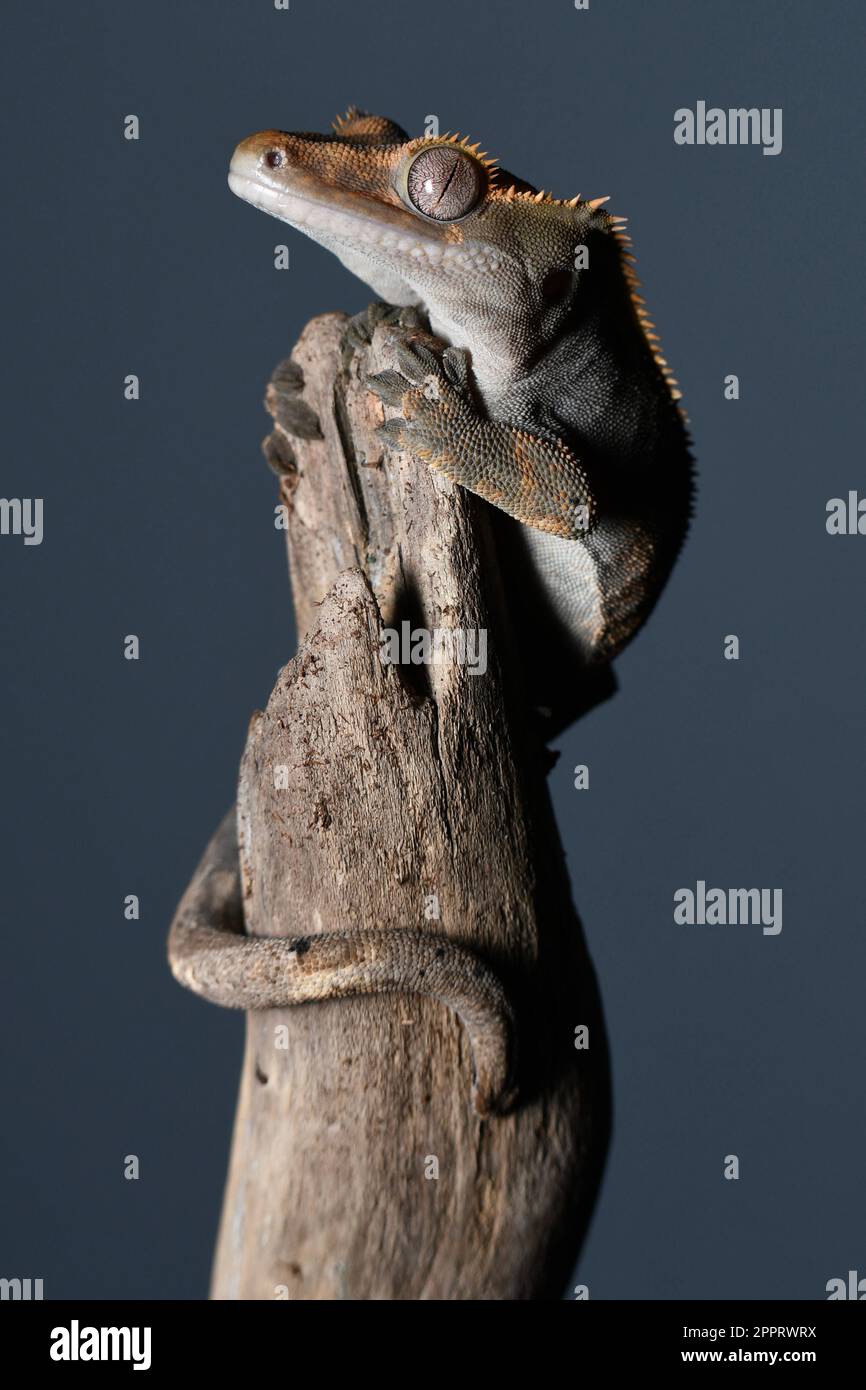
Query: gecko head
[[431, 222]]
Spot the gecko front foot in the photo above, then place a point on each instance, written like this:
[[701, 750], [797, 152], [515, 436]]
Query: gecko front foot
[[431, 391], [358, 333], [537, 480]]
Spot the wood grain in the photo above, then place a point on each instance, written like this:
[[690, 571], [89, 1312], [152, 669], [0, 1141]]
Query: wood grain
[[402, 782]]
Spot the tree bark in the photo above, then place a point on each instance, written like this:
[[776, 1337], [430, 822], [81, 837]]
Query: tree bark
[[359, 1169]]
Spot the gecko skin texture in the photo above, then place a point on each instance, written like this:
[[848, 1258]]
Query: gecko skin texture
[[209, 954]]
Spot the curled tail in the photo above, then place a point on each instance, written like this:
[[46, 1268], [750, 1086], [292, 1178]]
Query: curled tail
[[209, 953]]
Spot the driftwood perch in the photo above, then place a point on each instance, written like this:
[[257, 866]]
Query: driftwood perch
[[414, 798]]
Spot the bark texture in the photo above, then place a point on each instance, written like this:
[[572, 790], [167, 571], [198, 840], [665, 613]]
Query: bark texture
[[377, 796]]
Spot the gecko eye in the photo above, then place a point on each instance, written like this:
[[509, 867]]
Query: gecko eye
[[443, 183], [274, 159]]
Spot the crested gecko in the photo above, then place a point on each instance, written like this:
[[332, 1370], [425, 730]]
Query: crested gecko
[[548, 396]]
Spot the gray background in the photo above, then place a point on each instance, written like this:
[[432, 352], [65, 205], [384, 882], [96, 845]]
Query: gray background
[[122, 257]]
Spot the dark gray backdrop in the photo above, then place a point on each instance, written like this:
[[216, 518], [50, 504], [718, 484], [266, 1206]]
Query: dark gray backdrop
[[133, 257]]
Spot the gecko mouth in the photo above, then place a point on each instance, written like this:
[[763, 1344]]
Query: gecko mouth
[[334, 214]]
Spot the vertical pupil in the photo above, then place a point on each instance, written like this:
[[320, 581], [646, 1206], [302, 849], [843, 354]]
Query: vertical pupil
[[444, 184]]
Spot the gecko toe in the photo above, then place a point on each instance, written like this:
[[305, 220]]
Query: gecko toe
[[417, 362], [410, 317], [391, 433], [389, 386], [456, 365], [358, 332]]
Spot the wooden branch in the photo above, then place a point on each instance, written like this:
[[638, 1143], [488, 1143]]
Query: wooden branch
[[359, 1169]]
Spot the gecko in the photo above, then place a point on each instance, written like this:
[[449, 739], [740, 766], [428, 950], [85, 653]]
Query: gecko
[[550, 396], [543, 389]]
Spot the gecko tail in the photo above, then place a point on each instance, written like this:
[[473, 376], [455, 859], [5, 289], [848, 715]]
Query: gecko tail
[[210, 954]]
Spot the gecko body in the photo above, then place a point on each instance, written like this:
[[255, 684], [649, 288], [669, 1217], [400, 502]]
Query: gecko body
[[549, 396]]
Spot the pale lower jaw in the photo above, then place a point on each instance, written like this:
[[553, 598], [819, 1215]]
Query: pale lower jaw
[[323, 220]]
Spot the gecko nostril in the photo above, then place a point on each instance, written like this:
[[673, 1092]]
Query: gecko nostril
[[274, 159]]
